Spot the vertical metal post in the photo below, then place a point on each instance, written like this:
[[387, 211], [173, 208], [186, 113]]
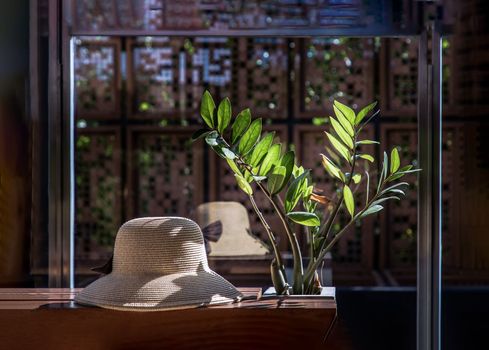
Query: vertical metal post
[[429, 211], [68, 108], [60, 151], [54, 149]]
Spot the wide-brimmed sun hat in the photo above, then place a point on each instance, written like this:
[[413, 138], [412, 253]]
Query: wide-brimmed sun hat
[[159, 264], [231, 221]]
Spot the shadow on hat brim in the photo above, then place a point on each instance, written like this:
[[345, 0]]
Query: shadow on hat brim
[[136, 292]]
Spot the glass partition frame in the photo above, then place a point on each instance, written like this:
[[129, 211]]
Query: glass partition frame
[[61, 148]]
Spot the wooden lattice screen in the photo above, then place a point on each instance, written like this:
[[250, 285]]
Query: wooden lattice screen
[[137, 105]]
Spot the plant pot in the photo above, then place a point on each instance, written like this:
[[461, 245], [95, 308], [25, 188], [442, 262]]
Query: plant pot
[[312, 302], [327, 293]]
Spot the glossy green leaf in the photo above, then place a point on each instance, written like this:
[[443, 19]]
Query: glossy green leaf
[[400, 184], [343, 121], [409, 171], [311, 205], [261, 149], [241, 123], [349, 201], [248, 177], [250, 137], [406, 168], [287, 161], [201, 133], [258, 178], [383, 172], [367, 157], [372, 210], [306, 193], [347, 111], [363, 112], [367, 142], [228, 153], [305, 185], [211, 138], [223, 115], [332, 169], [381, 200], [395, 161], [234, 167], [304, 218], [297, 171], [294, 192], [357, 178], [271, 158], [243, 184], [340, 148], [395, 177], [207, 107], [334, 157], [367, 188], [276, 179], [385, 164], [347, 139], [219, 150], [400, 173], [398, 191]]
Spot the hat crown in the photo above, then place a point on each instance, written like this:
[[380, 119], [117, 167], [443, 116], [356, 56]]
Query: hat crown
[[159, 245]]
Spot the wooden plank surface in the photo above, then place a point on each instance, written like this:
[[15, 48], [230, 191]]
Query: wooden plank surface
[[49, 319]]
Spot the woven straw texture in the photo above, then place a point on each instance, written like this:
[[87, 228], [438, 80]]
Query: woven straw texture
[[159, 264]]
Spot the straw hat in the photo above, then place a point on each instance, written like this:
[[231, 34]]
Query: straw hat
[[235, 237], [159, 264]]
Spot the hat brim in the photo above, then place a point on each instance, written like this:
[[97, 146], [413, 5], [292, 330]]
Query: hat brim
[[133, 292]]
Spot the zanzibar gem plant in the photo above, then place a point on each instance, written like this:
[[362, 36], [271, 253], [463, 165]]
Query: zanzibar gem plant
[[259, 163]]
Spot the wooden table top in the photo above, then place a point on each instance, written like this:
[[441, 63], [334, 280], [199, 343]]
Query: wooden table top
[[33, 298], [49, 319]]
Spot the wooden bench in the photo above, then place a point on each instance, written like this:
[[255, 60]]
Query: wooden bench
[[49, 319]]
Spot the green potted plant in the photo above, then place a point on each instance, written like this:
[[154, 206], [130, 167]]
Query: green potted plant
[[260, 164]]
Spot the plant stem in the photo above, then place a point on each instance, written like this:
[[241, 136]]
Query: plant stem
[[326, 229], [296, 253], [312, 268], [297, 287], [271, 237]]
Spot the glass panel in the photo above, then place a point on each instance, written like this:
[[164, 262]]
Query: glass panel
[[465, 172], [136, 159]]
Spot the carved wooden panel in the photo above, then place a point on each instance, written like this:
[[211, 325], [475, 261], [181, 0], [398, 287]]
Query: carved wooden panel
[[165, 172], [399, 230], [399, 77], [470, 69], [97, 77], [466, 253], [98, 181], [399, 219], [169, 74], [334, 68], [262, 76]]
